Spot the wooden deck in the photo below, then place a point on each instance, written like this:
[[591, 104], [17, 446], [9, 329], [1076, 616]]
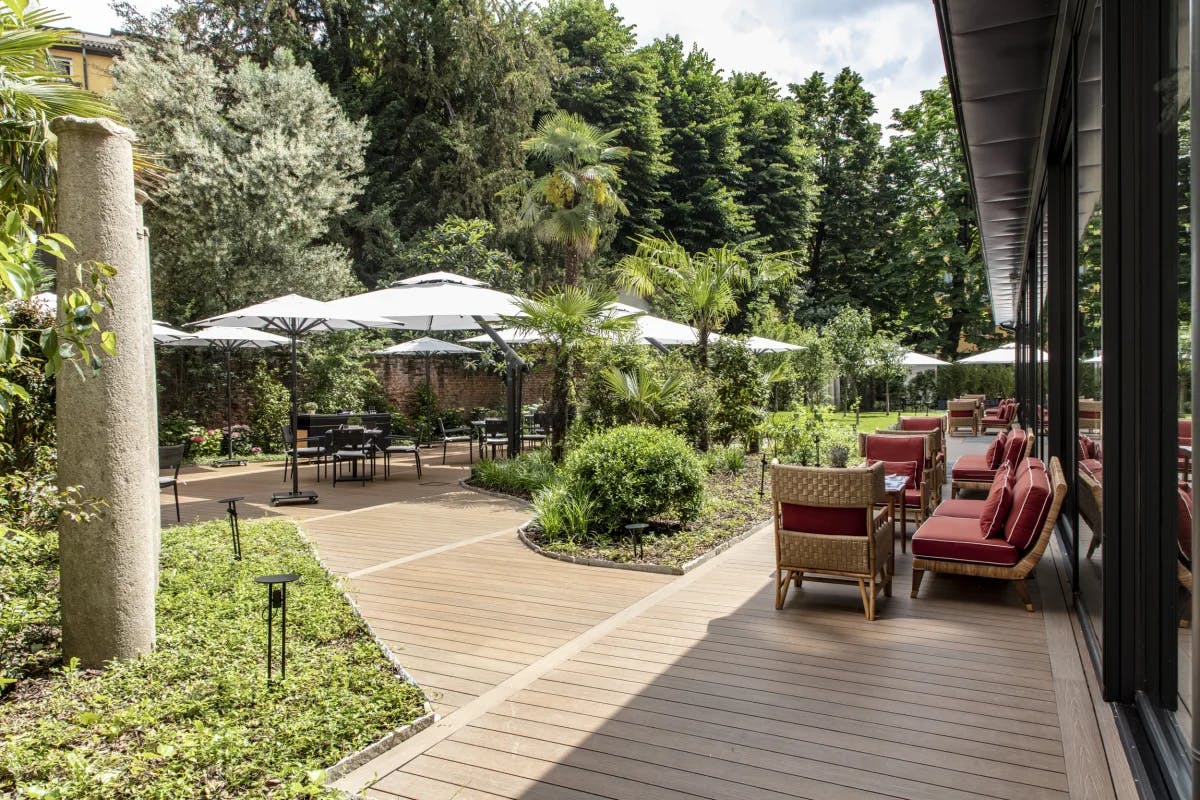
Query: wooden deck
[[560, 681]]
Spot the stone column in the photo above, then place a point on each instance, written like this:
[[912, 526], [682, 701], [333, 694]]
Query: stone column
[[107, 434]]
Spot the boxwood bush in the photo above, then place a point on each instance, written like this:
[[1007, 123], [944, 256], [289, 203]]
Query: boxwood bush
[[635, 473]]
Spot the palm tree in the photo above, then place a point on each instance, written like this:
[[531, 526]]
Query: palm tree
[[642, 390], [567, 320], [576, 186], [705, 284], [33, 92]]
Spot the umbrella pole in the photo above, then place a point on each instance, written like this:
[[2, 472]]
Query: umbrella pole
[[295, 496], [229, 460]]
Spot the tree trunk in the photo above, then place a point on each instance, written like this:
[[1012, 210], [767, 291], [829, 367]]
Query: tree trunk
[[571, 264], [558, 409]]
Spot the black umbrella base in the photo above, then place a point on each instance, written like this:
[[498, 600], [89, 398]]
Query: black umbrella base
[[230, 462], [293, 498]]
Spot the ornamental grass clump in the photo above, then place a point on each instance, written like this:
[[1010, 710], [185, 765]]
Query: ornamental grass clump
[[523, 476], [635, 473]]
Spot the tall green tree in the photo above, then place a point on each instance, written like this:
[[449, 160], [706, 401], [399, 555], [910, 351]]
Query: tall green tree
[[852, 343], [930, 279], [777, 182], [836, 119], [704, 207], [573, 191], [611, 83], [262, 162]]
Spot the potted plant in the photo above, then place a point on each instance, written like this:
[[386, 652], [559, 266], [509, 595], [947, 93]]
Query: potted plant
[[309, 408]]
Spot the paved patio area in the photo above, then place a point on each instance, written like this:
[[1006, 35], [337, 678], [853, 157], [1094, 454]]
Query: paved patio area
[[560, 681]]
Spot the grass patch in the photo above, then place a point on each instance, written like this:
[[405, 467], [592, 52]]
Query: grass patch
[[867, 420], [194, 719], [731, 507]]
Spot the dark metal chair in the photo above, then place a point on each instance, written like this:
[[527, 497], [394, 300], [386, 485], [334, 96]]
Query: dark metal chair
[[446, 436], [538, 428], [171, 458], [388, 445], [495, 434], [351, 446], [310, 449]]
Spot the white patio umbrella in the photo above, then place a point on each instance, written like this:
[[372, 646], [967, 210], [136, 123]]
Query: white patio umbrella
[[1005, 354], [293, 315], [164, 333], [760, 344], [227, 340], [918, 361], [509, 335], [443, 301], [428, 347]]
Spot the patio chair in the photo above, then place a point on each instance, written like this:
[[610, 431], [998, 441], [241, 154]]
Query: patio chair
[[935, 463], [389, 444], [1185, 438], [310, 448], [1000, 417], [350, 446], [495, 434], [447, 436], [955, 546], [903, 455], [1183, 569], [171, 458], [1091, 502], [972, 471], [828, 523], [538, 429], [962, 414], [1091, 416]]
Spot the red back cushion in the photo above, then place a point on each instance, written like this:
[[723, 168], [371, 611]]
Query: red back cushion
[[920, 423], [1185, 523], [997, 505], [896, 448], [1014, 448], [1030, 506], [995, 452], [815, 519], [1185, 431], [906, 468]]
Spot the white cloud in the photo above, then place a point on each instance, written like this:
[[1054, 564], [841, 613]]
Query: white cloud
[[96, 16]]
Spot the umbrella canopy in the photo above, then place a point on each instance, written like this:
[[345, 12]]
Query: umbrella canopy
[[913, 359], [509, 335], [427, 346], [1006, 354], [646, 328], [439, 277], [223, 337], [431, 303], [164, 333], [760, 344], [228, 339]]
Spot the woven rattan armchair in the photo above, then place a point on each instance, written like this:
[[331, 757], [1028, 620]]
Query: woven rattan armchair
[[1091, 507], [1029, 556], [962, 414], [828, 528], [935, 465]]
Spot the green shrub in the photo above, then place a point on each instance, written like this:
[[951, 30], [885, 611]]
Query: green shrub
[[730, 460], [562, 512], [270, 410], [635, 474], [740, 391], [174, 428], [524, 475]]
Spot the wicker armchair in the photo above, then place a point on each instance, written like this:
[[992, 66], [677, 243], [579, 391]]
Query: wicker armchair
[[827, 523], [1091, 415], [935, 464], [1024, 556], [962, 414], [1091, 506]]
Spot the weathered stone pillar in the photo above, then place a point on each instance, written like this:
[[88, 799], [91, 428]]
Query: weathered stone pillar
[[107, 435]]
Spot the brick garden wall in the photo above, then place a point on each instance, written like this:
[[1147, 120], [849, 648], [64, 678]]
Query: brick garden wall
[[454, 386]]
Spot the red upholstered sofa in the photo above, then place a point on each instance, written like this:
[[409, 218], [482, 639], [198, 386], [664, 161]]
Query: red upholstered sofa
[[952, 540], [1001, 417], [974, 471]]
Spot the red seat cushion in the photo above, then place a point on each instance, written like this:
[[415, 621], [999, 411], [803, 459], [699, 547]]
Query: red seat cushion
[[966, 509], [1030, 505], [972, 467], [1093, 467], [912, 498], [995, 451], [997, 505], [965, 413], [817, 519], [958, 539], [1185, 523], [1014, 448]]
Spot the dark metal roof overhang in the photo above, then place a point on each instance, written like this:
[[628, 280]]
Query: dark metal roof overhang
[[999, 59]]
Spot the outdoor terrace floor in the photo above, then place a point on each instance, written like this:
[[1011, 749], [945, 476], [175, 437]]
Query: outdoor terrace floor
[[556, 681]]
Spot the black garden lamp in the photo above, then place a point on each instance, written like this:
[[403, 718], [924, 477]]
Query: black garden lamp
[[277, 598], [635, 530], [234, 531]]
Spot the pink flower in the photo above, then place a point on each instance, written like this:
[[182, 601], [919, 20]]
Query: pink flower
[[198, 439], [234, 435], [256, 451]]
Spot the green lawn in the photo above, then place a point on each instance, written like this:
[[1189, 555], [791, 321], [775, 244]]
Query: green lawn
[[194, 719], [867, 420]]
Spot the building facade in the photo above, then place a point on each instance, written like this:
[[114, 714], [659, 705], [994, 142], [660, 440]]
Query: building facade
[[1075, 117], [87, 58]]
